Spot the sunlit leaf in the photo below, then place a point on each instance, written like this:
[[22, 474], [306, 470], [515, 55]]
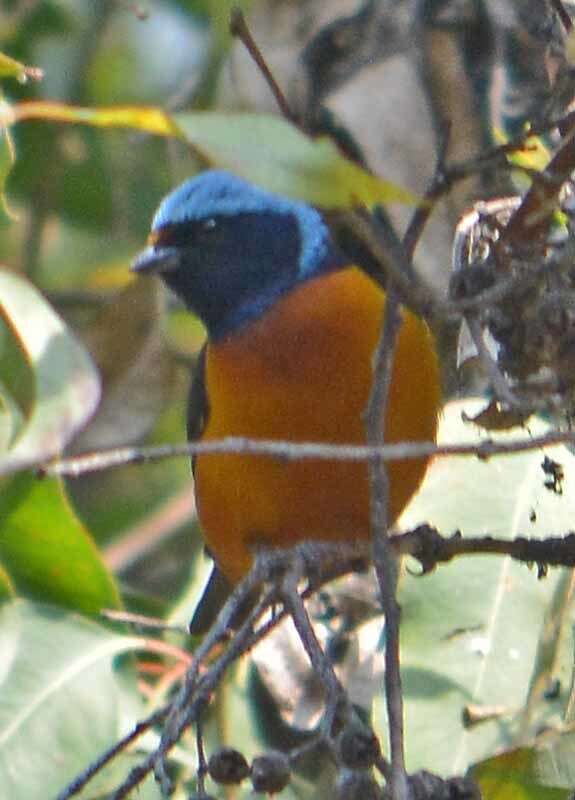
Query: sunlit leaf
[[6, 585], [65, 381], [144, 119], [534, 154], [10, 68]]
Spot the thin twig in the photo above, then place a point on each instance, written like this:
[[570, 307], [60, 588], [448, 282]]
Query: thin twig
[[438, 186], [430, 548], [496, 378], [321, 665], [239, 29], [530, 222], [294, 451], [202, 770], [118, 747], [387, 258], [190, 702], [423, 543], [384, 558], [563, 15]]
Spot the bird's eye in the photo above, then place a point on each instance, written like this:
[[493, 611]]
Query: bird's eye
[[208, 225], [184, 234]]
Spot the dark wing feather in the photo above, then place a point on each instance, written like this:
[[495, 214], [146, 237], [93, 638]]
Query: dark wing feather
[[217, 588], [198, 405]]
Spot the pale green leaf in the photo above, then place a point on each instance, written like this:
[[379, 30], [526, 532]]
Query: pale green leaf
[[67, 387], [63, 698], [266, 149], [471, 629]]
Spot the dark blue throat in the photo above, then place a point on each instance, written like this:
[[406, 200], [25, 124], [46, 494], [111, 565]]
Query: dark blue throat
[[230, 269]]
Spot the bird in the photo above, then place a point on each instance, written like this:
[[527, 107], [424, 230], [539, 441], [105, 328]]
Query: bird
[[291, 330]]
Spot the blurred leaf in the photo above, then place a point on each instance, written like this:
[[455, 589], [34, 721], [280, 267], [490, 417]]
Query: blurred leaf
[[144, 119], [136, 367], [85, 195], [66, 385], [555, 761], [471, 629], [569, 46], [36, 22], [63, 699], [10, 68], [7, 158], [261, 147], [11, 419], [534, 154], [513, 776], [66, 173], [6, 586], [46, 551], [272, 152], [552, 644]]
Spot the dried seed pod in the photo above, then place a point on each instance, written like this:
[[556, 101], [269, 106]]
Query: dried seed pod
[[270, 772], [351, 784], [358, 746], [228, 766]]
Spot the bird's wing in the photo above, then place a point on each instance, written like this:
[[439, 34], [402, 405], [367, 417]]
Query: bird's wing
[[214, 595], [198, 405], [217, 588]]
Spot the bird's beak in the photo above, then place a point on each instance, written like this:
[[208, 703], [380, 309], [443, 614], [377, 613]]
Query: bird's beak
[[156, 259]]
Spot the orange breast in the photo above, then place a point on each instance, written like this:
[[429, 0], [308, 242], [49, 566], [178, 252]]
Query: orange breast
[[302, 373]]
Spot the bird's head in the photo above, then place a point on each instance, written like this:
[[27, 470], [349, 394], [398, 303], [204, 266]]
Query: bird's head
[[229, 249]]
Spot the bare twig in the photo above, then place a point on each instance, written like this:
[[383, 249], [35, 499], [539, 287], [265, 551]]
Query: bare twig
[[357, 229], [322, 666], [239, 29], [423, 543], [530, 222], [383, 556], [439, 185], [118, 747], [497, 380], [430, 548], [562, 13], [291, 451]]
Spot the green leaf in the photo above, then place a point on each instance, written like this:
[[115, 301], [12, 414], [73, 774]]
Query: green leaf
[[555, 762], [66, 384], [264, 148], [10, 68], [273, 153], [6, 585], [46, 551], [471, 629], [7, 158], [512, 776], [63, 699]]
